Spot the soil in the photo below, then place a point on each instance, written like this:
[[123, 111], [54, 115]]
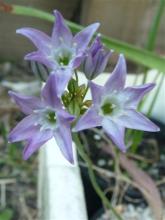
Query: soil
[[18, 178], [151, 160]]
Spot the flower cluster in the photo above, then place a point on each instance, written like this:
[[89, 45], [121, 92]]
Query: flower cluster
[[61, 108]]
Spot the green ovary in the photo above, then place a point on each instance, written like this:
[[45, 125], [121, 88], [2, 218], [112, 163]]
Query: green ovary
[[107, 108], [51, 117], [63, 56], [64, 60]]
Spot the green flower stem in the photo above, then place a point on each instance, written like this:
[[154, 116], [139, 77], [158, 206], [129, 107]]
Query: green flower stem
[[135, 54], [151, 40], [155, 96], [150, 45], [76, 76], [95, 185], [86, 90]]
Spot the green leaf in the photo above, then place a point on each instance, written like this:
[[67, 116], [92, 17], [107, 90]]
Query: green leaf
[[6, 214], [133, 53], [155, 26]]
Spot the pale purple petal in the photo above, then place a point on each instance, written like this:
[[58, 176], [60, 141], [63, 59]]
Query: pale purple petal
[[65, 115], [96, 45], [26, 103], [97, 92], [41, 40], [61, 33], [25, 129], [116, 81], [62, 78], [115, 132], [49, 92], [41, 58], [133, 95], [75, 63], [90, 119], [64, 140], [36, 142], [83, 38], [136, 120], [102, 61], [88, 66]]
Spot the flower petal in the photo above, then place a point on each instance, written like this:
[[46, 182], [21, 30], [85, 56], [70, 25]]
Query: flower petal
[[64, 140], [40, 39], [24, 129], [88, 66], [65, 115], [100, 62], [36, 142], [74, 63], [90, 119], [83, 38], [62, 78], [116, 81], [26, 103], [132, 95], [115, 132], [49, 92], [136, 120], [96, 46], [61, 33], [97, 92], [41, 58]]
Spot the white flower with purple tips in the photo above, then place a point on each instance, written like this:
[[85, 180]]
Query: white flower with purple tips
[[114, 107], [62, 52], [46, 118]]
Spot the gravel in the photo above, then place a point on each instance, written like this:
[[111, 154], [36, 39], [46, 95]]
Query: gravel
[[130, 212]]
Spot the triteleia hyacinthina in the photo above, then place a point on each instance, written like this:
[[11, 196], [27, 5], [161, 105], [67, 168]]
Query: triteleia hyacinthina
[[62, 52], [46, 118], [114, 107], [95, 60]]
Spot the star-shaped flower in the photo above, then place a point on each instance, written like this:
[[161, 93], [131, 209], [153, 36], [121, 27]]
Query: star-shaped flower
[[114, 107], [46, 118], [62, 52]]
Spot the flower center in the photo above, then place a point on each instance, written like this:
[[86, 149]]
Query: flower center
[[63, 56], [63, 61], [51, 117], [107, 108]]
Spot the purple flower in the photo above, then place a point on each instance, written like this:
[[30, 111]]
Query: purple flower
[[96, 60], [114, 107], [46, 118], [61, 52]]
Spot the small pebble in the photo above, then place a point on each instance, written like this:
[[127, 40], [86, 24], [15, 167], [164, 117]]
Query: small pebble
[[130, 212], [101, 162]]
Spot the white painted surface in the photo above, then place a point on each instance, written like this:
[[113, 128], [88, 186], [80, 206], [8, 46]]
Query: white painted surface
[[61, 195]]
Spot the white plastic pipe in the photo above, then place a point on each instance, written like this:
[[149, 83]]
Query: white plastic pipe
[[61, 194]]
